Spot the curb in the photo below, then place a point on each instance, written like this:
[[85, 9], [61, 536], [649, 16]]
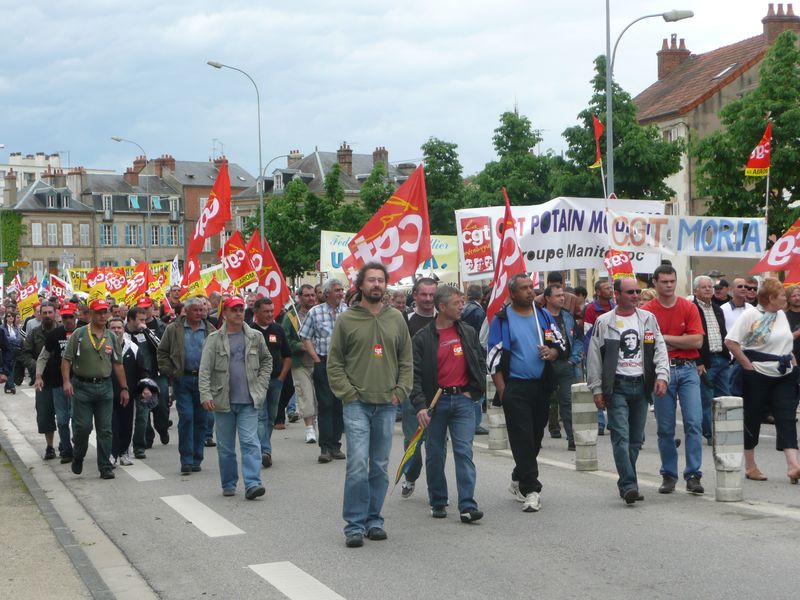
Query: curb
[[84, 567]]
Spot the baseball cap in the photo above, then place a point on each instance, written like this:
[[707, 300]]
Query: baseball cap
[[144, 302], [721, 284], [68, 309], [98, 306], [233, 302]]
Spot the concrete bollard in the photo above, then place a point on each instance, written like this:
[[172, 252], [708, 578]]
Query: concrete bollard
[[584, 427], [498, 435], [728, 443]]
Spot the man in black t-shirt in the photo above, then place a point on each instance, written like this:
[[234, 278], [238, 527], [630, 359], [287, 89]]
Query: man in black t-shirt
[[422, 293], [48, 377], [278, 345]]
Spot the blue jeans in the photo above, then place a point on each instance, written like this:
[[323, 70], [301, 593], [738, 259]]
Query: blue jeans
[[684, 386], [267, 414], [368, 429], [455, 413], [410, 425], [209, 426], [242, 418], [627, 415], [192, 418], [63, 408], [713, 384]]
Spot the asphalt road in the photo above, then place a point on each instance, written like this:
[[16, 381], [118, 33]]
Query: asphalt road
[[584, 543]]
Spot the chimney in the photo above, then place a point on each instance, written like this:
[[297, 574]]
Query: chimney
[[671, 57], [218, 161], [776, 23], [59, 179], [47, 176], [344, 156], [295, 156], [75, 182], [381, 154], [132, 175], [139, 163], [10, 189], [165, 161]]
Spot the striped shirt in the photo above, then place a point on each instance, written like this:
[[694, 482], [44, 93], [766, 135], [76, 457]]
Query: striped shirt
[[318, 326]]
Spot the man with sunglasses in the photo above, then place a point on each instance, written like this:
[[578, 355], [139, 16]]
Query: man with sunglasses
[[626, 362], [732, 311]]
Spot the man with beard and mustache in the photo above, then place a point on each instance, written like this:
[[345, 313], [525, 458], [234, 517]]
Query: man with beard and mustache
[[45, 405], [48, 378], [370, 367]]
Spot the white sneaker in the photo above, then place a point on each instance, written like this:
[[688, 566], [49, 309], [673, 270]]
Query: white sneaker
[[113, 460], [125, 460], [532, 502], [514, 489], [311, 437]]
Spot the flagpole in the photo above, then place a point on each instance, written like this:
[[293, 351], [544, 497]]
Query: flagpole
[[766, 209], [603, 179]]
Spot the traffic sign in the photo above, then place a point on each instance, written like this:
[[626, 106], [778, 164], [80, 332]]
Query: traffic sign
[[3, 265], [21, 264]]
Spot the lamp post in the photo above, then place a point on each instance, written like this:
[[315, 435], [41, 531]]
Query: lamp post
[[259, 183], [670, 17], [147, 244]]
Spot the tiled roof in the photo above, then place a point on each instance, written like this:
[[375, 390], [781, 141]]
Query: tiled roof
[[34, 197], [698, 79], [199, 173]]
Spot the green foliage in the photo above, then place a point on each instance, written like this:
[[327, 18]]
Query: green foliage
[[642, 158], [375, 190], [721, 156], [11, 222], [443, 183]]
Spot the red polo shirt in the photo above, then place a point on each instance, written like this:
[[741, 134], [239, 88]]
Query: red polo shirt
[[679, 319], [450, 359]]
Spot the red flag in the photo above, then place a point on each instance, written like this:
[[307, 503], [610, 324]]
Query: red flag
[[598, 133], [214, 214], [618, 264], [399, 234], [759, 162], [58, 287], [213, 286], [138, 283], [237, 263], [273, 285], [254, 252], [510, 261], [784, 254], [191, 284]]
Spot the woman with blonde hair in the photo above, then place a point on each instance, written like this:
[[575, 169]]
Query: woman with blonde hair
[[761, 341]]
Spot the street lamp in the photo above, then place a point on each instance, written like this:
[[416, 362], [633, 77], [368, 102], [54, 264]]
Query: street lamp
[[259, 183], [670, 17], [116, 138]]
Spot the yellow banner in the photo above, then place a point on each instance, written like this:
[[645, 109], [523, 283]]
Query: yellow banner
[[757, 172], [77, 277]]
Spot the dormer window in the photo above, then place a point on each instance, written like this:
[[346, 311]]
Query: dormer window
[[725, 71], [278, 181], [51, 200], [133, 202]]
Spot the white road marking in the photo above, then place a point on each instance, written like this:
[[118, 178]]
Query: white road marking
[[202, 517], [141, 472], [293, 582]]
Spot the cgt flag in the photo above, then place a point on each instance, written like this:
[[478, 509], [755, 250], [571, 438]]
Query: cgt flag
[[510, 261], [138, 283], [398, 235], [237, 263], [271, 282], [759, 162], [192, 283], [598, 133], [215, 213]]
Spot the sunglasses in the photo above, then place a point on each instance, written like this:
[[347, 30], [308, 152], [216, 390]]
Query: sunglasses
[[749, 288], [631, 292]]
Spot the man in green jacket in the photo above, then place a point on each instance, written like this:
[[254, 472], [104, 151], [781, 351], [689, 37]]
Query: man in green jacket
[[370, 368]]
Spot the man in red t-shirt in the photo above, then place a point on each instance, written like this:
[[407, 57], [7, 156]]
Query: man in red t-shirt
[[679, 321], [448, 357]]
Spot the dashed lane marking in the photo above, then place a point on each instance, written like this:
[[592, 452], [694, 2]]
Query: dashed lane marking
[[201, 516], [293, 582]]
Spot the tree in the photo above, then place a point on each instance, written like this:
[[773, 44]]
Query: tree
[[375, 190], [642, 158], [524, 174], [443, 183], [721, 156]]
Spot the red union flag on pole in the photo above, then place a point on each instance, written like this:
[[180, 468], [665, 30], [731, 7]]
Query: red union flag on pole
[[784, 255], [191, 284], [271, 283], [598, 133], [214, 214], [58, 287], [237, 263], [398, 235], [510, 261], [618, 264], [759, 162], [255, 254], [138, 283]]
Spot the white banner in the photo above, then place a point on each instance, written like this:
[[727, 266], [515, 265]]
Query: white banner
[[690, 236], [564, 233]]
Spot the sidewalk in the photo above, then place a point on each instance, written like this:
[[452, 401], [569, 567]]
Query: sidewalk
[[33, 563]]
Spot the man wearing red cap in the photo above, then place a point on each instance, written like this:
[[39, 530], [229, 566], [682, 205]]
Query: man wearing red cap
[[91, 354], [234, 375]]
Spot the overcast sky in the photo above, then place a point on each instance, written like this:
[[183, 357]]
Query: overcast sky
[[77, 72]]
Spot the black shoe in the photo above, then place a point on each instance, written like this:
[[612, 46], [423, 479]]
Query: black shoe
[[439, 512], [376, 534], [107, 474], [677, 442], [49, 453], [169, 423], [571, 446], [266, 460], [66, 458], [693, 486], [294, 417], [667, 485], [338, 455], [186, 469], [164, 437], [471, 515], [325, 457], [481, 431], [139, 454], [630, 495], [77, 466], [354, 540], [209, 443], [601, 431], [639, 497], [254, 492], [196, 468], [555, 434]]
